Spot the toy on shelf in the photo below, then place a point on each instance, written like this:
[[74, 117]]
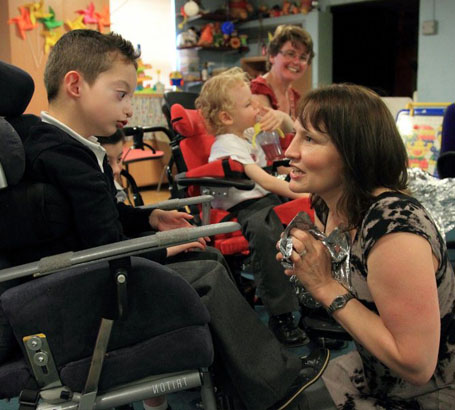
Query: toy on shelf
[[275, 11], [189, 9], [206, 37], [187, 38], [158, 86], [306, 6], [176, 80], [141, 74], [286, 10], [240, 9]]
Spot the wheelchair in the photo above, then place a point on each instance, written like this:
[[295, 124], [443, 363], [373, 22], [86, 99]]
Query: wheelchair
[[87, 329]]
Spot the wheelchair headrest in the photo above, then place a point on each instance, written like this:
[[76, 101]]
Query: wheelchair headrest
[[186, 122], [195, 147], [12, 156], [17, 88]]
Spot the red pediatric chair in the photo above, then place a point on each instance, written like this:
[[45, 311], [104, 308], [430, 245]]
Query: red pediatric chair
[[196, 174]]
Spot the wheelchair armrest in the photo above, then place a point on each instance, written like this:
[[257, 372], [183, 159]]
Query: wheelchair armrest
[[116, 250], [243, 184], [138, 134]]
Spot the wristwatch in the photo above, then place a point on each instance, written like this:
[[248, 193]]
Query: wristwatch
[[339, 302]]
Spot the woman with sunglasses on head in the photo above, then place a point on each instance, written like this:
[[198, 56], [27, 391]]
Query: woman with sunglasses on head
[[289, 54]]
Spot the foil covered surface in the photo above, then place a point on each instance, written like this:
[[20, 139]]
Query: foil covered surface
[[338, 244], [436, 195]]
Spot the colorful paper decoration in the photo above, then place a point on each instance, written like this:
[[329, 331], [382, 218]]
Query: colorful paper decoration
[[104, 19], [32, 12], [50, 22], [23, 22], [37, 11], [89, 14], [50, 38], [76, 24]]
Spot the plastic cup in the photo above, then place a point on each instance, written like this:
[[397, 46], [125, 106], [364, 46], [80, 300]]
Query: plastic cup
[[270, 144]]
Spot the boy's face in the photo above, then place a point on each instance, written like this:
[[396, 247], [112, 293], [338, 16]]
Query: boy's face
[[114, 153], [106, 104], [244, 113]]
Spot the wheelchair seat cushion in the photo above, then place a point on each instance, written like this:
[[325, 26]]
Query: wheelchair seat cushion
[[163, 311]]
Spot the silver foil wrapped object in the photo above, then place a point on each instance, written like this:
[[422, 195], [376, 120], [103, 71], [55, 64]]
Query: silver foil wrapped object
[[436, 195], [338, 244]]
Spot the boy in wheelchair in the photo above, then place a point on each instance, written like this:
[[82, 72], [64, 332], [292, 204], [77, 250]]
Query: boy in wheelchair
[[90, 79], [228, 109], [113, 145]]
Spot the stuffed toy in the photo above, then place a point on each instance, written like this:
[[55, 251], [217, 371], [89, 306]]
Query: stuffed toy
[[239, 9], [206, 37], [306, 6]]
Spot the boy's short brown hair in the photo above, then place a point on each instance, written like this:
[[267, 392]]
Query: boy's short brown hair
[[296, 35], [214, 97], [87, 51]]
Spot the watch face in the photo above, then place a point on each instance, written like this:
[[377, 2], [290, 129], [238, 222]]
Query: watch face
[[339, 302]]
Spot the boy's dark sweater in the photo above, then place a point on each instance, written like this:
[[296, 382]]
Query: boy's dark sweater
[[54, 157]]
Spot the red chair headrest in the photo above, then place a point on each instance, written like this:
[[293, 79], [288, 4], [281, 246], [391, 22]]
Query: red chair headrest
[[187, 122]]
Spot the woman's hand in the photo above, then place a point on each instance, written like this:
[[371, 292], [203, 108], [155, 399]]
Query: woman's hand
[[270, 119], [186, 247], [166, 220], [312, 262]]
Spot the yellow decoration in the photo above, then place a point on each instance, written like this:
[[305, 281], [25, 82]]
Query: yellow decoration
[[50, 38], [37, 11], [76, 24]]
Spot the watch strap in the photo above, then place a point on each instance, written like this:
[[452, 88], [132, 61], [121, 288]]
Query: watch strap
[[339, 302]]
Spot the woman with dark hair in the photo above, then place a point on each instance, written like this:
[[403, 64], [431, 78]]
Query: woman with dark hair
[[289, 55], [399, 307]]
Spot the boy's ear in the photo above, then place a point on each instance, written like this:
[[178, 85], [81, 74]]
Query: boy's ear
[[225, 118], [72, 83]]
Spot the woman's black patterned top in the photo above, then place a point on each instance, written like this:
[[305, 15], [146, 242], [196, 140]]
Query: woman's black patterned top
[[396, 212]]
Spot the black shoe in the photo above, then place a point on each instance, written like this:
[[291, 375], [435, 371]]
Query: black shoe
[[313, 366], [286, 330]]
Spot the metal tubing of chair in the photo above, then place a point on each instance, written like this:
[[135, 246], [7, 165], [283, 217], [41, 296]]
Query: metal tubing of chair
[[115, 250], [99, 353], [207, 391], [164, 384], [180, 203]]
